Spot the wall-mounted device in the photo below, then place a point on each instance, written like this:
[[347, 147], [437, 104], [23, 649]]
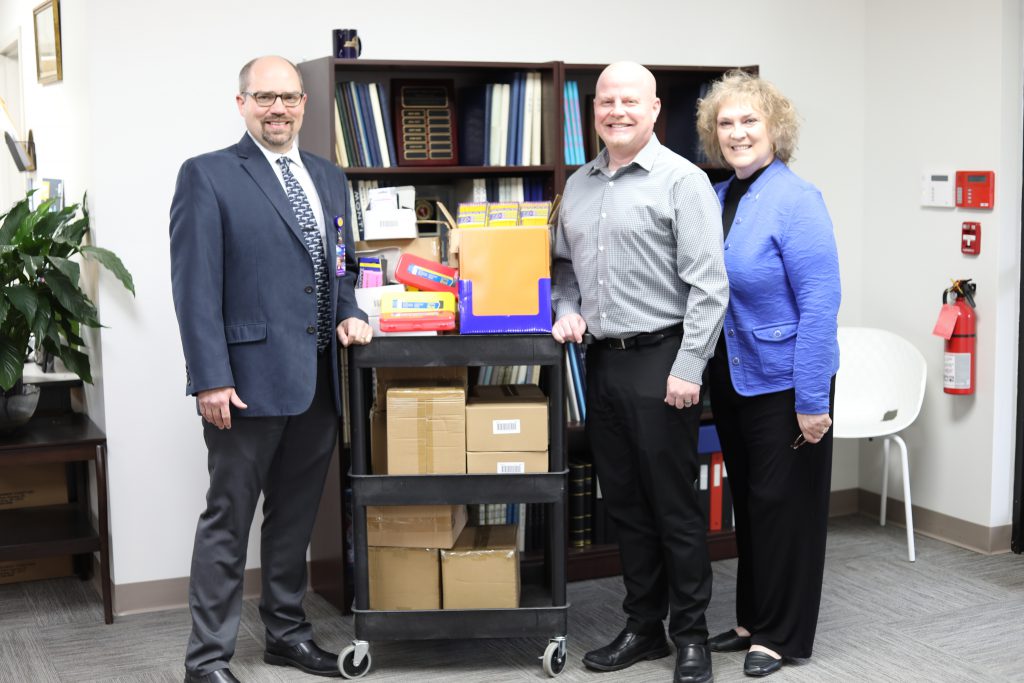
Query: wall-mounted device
[[970, 238], [975, 189], [937, 189]]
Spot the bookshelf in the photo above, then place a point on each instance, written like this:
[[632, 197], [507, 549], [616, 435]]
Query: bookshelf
[[678, 87]]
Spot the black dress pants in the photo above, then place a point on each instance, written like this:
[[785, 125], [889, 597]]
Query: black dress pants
[[285, 458], [645, 453], [780, 497]]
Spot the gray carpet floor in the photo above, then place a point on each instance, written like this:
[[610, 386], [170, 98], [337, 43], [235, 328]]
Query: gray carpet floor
[[953, 615]]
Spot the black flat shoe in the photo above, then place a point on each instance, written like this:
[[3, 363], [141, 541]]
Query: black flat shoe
[[729, 641], [693, 665], [306, 657], [218, 676], [760, 664], [627, 649]]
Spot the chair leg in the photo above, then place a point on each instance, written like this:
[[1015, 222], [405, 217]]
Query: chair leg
[[885, 480], [911, 555]]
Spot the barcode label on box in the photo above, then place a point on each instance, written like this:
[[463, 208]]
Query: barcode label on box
[[389, 224], [511, 468], [505, 426]]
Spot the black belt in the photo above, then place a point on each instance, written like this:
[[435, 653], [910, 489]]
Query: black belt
[[646, 339]]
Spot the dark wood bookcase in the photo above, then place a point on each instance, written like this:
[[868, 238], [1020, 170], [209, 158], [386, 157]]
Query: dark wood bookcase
[[678, 87]]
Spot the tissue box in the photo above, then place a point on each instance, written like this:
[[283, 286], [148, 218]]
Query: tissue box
[[389, 224]]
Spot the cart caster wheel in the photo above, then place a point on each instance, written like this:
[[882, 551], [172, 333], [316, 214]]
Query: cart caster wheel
[[554, 658], [347, 666]]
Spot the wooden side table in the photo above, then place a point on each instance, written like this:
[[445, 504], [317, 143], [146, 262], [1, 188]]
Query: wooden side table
[[29, 533]]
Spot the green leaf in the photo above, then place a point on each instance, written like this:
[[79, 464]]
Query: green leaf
[[12, 363], [25, 299], [13, 219], [77, 362], [66, 266], [5, 306], [71, 235], [111, 262], [72, 298], [32, 264]]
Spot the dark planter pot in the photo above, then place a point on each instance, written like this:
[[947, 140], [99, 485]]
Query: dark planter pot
[[17, 405]]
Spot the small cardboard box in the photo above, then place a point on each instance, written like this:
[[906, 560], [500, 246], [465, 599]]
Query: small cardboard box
[[33, 485], [482, 570], [504, 462], [509, 417], [457, 376], [414, 526], [15, 571], [404, 578], [389, 223], [426, 430]]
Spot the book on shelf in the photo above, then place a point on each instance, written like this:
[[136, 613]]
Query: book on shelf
[[538, 99], [389, 130], [378, 124]]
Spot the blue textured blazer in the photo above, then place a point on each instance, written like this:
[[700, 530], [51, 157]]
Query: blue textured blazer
[[784, 292], [243, 282]]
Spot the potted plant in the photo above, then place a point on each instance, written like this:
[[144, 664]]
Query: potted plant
[[41, 295]]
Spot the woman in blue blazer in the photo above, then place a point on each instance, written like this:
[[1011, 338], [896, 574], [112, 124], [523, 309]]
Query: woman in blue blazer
[[773, 373]]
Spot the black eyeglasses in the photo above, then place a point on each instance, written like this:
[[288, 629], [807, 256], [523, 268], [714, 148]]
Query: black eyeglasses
[[267, 99]]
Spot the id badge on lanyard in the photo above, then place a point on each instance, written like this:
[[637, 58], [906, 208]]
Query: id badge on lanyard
[[339, 261]]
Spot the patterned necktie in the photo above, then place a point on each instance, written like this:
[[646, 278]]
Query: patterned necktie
[[315, 244]]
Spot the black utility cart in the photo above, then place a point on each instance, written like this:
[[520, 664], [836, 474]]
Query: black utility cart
[[543, 611]]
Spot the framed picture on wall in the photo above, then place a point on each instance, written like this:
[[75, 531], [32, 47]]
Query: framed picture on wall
[[47, 27]]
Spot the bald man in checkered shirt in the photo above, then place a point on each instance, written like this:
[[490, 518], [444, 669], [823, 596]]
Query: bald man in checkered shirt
[[639, 272]]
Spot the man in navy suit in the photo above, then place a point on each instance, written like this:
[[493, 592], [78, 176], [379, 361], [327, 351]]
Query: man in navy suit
[[263, 275]]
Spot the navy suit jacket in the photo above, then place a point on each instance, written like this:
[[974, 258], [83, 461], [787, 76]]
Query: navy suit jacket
[[243, 283]]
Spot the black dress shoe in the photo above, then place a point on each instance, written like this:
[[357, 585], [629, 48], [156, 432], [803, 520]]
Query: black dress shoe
[[729, 641], [218, 676], [693, 664], [306, 656], [627, 649], [760, 664]]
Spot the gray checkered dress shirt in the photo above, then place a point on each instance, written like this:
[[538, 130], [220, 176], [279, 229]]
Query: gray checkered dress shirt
[[640, 250]]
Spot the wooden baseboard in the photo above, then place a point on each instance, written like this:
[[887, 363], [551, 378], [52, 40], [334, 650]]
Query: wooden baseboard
[[152, 596]]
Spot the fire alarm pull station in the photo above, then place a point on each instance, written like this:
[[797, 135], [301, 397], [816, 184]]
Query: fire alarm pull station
[[975, 189], [970, 238]]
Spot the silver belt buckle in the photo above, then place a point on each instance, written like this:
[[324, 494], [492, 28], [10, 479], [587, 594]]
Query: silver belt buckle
[[619, 344]]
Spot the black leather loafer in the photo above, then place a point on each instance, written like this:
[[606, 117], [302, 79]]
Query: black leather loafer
[[305, 656], [760, 664], [729, 641], [218, 676], [627, 649], [693, 664]]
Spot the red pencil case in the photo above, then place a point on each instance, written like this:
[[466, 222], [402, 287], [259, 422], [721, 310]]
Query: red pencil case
[[426, 275]]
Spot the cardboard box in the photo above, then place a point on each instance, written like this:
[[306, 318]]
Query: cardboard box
[[427, 376], [505, 280], [426, 430], [504, 462], [427, 247], [509, 417], [15, 571], [404, 578], [389, 224], [33, 485], [414, 526], [482, 570]]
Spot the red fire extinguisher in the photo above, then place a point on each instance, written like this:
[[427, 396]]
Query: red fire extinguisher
[[957, 325]]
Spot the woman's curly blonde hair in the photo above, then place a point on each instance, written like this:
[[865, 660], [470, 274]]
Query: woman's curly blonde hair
[[779, 113]]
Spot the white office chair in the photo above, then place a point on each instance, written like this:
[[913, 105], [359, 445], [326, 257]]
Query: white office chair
[[879, 390]]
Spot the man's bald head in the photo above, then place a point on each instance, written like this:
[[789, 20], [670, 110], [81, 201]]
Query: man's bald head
[[630, 72], [626, 106]]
